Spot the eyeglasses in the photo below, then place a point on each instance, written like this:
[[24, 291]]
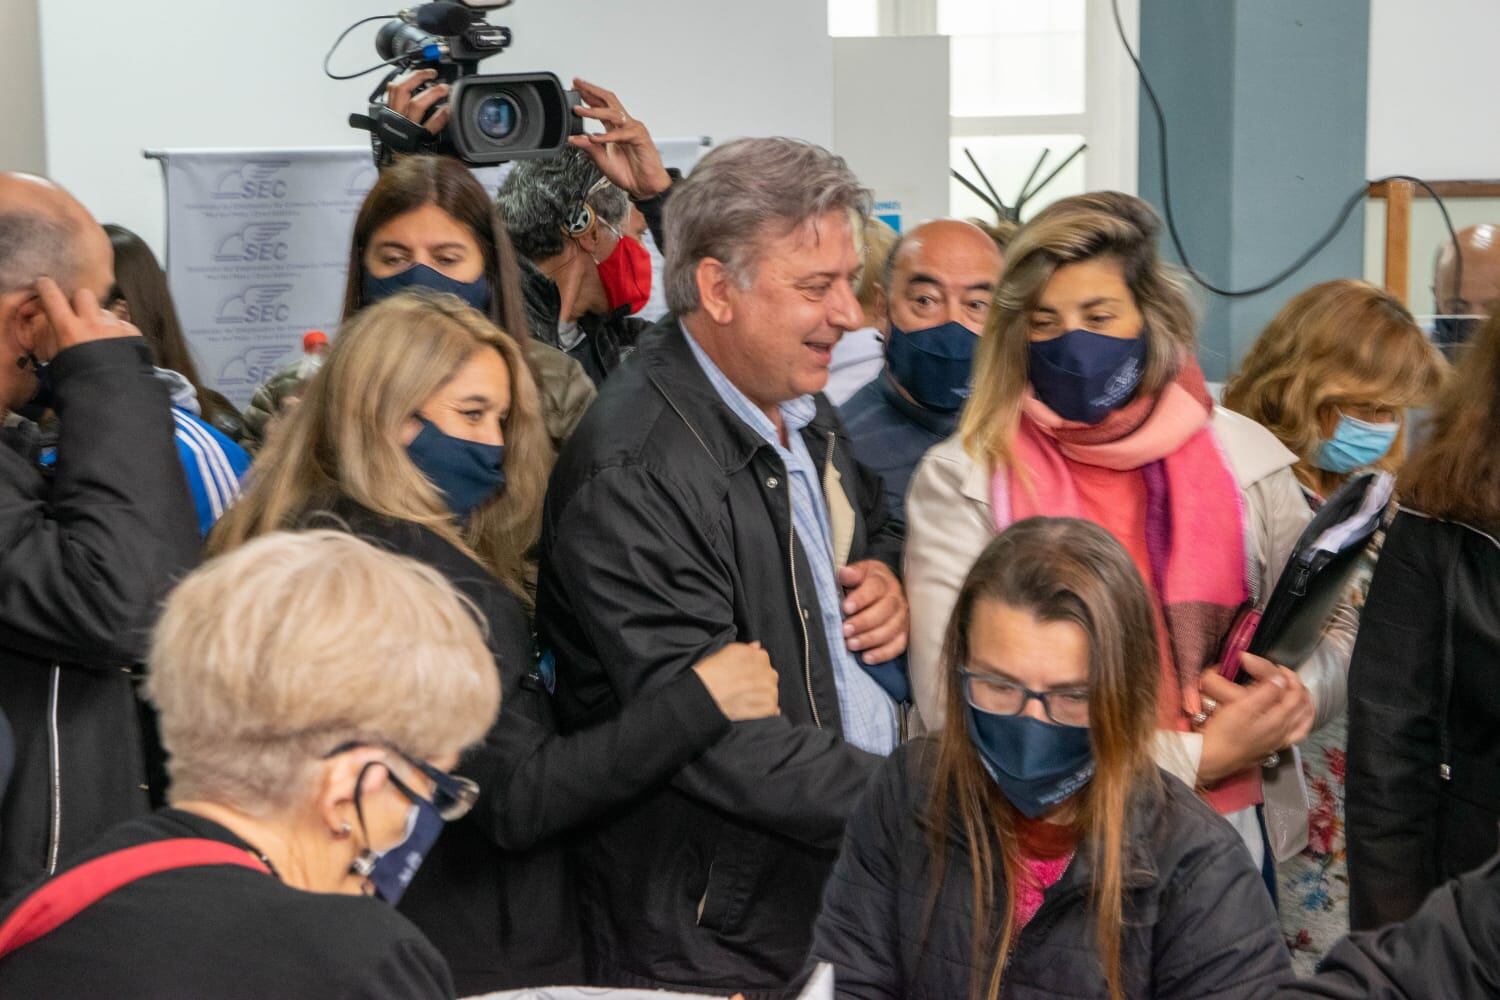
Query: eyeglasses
[[988, 693], [452, 795]]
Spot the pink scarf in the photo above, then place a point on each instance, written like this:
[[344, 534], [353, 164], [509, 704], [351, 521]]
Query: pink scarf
[[1194, 522]]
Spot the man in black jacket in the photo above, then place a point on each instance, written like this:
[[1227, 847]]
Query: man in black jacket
[[583, 267], [1448, 948], [85, 552], [711, 496]]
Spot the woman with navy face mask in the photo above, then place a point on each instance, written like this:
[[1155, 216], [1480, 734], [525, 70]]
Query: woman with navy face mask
[[1031, 847], [422, 433], [428, 223], [1333, 377], [1088, 402]]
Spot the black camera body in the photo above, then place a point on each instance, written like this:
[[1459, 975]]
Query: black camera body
[[496, 117]]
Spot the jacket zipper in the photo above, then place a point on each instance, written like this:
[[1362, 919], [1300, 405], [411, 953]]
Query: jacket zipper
[[54, 747], [828, 466], [791, 563], [1051, 912]]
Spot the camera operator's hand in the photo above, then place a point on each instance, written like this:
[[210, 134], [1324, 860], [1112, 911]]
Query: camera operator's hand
[[624, 151], [69, 324], [398, 97]]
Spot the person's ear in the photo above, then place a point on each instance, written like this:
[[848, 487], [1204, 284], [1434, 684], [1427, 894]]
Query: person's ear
[[716, 290], [335, 785], [25, 323], [594, 239]]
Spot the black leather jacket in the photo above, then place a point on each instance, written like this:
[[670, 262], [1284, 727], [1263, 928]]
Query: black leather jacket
[[668, 534], [1423, 797]]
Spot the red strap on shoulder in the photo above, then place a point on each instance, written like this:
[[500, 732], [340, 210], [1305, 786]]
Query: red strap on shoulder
[[75, 890]]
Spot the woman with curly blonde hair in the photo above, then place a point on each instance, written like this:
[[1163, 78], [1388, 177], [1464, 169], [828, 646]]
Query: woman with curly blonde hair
[[1333, 376]]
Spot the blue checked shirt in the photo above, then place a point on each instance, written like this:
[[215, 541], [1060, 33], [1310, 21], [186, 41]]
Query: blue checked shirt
[[869, 714]]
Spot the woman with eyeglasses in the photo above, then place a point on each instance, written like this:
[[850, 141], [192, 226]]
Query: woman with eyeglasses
[[422, 432], [1031, 847], [312, 693]]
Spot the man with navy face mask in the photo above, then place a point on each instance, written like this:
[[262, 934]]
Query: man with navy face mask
[[938, 283]]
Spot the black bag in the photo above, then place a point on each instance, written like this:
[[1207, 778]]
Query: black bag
[[1318, 574]]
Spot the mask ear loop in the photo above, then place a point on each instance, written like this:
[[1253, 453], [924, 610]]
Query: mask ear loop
[[364, 864]]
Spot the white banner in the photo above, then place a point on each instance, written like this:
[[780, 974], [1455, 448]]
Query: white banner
[[257, 245]]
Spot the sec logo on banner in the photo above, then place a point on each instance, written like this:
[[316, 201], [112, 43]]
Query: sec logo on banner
[[255, 243], [260, 304], [257, 180], [254, 365]]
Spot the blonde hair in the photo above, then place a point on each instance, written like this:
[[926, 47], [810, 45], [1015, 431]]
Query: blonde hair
[[343, 439], [267, 658], [874, 240], [1342, 341], [1070, 231], [1068, 570]]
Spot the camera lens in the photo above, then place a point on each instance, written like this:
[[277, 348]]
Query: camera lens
[[498, 116]]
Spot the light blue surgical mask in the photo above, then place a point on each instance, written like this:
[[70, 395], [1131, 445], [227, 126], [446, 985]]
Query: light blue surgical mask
[[1356, 444]]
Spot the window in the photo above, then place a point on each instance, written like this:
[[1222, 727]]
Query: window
[[853, 18], [1014, 57], [1025, 76]]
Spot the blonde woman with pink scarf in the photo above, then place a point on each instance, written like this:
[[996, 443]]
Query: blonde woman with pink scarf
[[1088, 402]]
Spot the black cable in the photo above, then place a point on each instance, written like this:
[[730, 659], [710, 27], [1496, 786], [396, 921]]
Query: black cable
[[328, 56], [1318, 245]]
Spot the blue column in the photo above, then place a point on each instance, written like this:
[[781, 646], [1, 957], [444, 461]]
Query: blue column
[[1266, 110]]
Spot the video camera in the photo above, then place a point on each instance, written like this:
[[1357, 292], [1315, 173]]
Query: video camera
[[496, 117]]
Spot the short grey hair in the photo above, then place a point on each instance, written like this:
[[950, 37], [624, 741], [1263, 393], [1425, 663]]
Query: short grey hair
[[33, 244], [742, 192], [540, 197], [267, 658]]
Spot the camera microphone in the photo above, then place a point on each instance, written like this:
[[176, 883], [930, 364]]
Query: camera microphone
[[439, 18]]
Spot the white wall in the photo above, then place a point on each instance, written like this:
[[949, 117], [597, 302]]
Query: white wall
[[1432, 89], [122, 77], [891, 120]]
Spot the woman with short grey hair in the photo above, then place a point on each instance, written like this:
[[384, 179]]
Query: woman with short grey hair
[[312, 691]]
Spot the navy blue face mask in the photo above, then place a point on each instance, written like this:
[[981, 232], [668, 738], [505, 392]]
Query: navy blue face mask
[[933, 365], [1036, 764], [390, 871], [466, 472], [1085, 376], [475, 293]]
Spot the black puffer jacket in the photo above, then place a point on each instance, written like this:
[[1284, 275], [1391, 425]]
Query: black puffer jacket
[[1199, 921], [667, 535], [1423, 798], [84, 560], [497, 895], [1450, 948]]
